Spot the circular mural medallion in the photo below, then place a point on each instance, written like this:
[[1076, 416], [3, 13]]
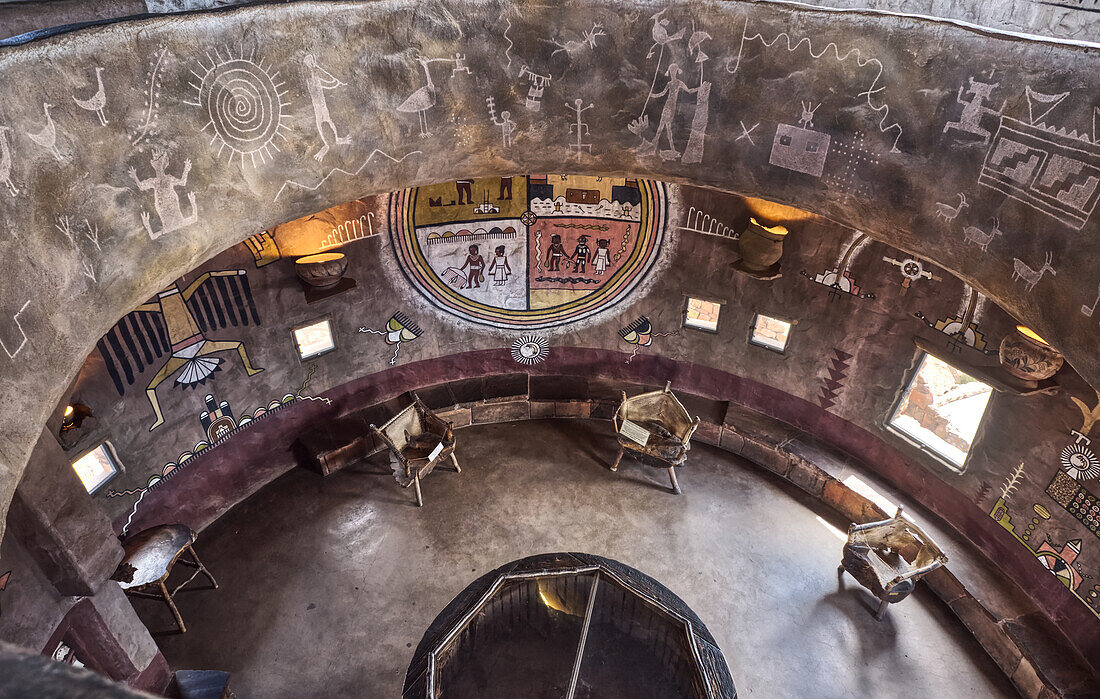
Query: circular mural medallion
[[529, 252]]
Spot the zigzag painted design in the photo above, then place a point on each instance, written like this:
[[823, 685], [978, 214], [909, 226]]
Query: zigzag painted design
[[834, 382]]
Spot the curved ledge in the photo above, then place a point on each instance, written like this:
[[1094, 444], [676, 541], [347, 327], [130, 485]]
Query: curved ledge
[[484, 386]]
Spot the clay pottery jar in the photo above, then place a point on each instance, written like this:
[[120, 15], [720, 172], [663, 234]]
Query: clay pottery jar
[[760, 246], [323, 270], [1027, 356]]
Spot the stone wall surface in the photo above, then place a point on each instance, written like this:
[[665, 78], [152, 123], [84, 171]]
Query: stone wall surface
[[101, 216], [976, 151], [1063, 19]]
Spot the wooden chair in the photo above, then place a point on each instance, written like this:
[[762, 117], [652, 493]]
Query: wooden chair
[[149, 559], [889, 557], [656, 429], [418, 440]]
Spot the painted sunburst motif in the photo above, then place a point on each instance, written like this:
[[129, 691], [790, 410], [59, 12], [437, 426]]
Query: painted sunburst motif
[[530, 349], [242, 101], [1080, 462]]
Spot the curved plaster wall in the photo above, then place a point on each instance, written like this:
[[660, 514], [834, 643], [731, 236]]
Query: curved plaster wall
[[887, 124], [848, 358]]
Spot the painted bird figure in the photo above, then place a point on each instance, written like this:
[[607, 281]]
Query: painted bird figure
[[423, 99], [47, 137], [98, 101], [660, 34]]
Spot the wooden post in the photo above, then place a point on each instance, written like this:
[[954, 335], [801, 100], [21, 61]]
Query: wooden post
[[172, 606], [881, 609], [672, 477], [454, 460], [205, 572], [419, 497], [615, 466]]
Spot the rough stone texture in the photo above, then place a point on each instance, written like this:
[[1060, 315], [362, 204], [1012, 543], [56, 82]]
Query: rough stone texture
[[919, 165], [68, 536], [500, 412], [22, 672]]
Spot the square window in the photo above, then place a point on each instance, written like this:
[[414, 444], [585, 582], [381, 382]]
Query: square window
[[97, 467], [941, 410], [769, 332], [784, 140], [314, 339], [701, 314], [811, 147]]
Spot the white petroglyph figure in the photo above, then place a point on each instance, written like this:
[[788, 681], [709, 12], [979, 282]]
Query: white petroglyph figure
[[97, 101], [242, 102], [970, 121], [47, 137], [165, 200], [1089, 310], [318, 81], [1030, 276], [588, 39], [746, 132], [537, 87], [948, 212], [423, 99], [507, 126], [976, 235], [693, 151], [22, 335], [6, 160], [580, 127]]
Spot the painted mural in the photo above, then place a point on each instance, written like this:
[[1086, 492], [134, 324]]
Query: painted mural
[[218, 424], [529, 252]]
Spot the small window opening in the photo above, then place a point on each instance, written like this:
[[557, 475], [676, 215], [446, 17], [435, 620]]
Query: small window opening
[[941, 410], [769, 332], [702, 314], [97, 467], [314, 339]]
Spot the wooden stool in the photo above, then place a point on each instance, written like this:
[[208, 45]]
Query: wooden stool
[[150, 556]]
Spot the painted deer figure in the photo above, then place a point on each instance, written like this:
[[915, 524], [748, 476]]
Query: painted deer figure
[[1030, 276], [976, 235], [948, 212]]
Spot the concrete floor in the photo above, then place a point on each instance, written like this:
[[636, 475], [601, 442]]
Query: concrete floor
[[327, 584]]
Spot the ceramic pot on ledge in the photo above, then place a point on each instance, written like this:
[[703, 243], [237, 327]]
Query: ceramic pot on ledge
[[1027, 356], [760, 247], [323, 270]]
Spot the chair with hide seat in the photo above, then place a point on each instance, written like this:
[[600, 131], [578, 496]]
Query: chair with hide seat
[[889, 557], [418, 440], [656, 429]]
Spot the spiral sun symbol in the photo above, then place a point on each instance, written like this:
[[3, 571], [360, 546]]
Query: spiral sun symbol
[[1080, 462], [243, 104], [530, 349]]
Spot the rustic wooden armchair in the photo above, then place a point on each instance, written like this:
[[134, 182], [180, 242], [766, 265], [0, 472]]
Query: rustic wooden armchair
[[889, 557], [656, 429], [418, 440]]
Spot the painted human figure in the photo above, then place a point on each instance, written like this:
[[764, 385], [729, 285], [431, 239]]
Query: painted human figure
[[318, 81], [165, 200], [190, 348], [499, 268], [581, 253], [464, 191], [505, 188], [602, 258], [507, 127], [668, 113], [555, 254], [476, 264]]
